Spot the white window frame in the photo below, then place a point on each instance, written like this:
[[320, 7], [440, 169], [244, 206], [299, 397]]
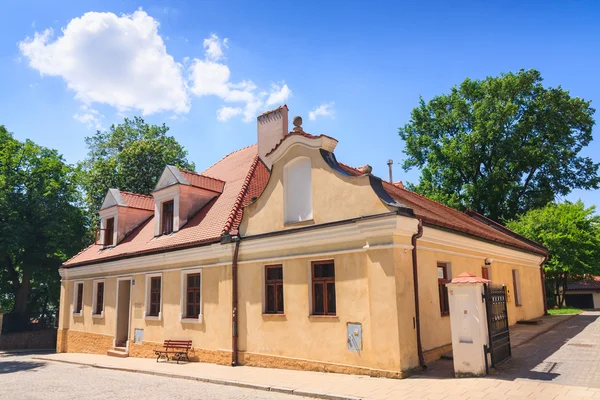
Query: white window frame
[[147, 302], [111, 213], [166, 194], [295, 190], [95, 298], [183, 290], [75, 298]]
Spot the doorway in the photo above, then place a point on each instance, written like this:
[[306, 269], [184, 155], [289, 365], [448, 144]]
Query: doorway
[[123, 309]]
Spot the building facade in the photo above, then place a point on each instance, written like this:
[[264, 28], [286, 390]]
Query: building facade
[[280, 256]]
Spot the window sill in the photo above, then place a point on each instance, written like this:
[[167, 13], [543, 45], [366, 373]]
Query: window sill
[[299, 223], [323, 318], [192, 320], [274, 317], [78, 314], [101, 315], [154, 317]]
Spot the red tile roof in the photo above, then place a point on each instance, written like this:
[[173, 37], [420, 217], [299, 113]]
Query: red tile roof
[[466, 277], [135, 200], [203, 181], [438, 214], [586, 284], [205, 227]]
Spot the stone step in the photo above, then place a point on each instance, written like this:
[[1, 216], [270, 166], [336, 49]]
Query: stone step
[[120, 352]]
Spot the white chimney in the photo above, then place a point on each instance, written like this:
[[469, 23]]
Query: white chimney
[[272, 127]]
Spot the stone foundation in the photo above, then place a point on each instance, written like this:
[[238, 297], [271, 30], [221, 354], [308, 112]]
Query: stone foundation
[[436, 353], [146, 350], [69, 341], [267, 361]]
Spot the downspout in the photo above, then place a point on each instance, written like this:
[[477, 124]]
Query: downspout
[[543, 278], [416, 291], [234, 304]]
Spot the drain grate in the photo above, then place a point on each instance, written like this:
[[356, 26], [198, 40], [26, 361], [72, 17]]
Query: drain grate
[[549, 366], [587, 345]]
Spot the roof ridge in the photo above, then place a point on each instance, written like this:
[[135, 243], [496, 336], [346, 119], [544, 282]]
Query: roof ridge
[[240, 197], [227, 155]]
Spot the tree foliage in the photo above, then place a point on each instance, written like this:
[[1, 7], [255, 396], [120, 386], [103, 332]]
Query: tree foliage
[[41, 225], [571, 233], [130, 156], [501, 146]]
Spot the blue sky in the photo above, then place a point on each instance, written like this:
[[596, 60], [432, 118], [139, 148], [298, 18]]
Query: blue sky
[[364, 63]]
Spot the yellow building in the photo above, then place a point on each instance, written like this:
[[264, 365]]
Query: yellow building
[[278, 255]]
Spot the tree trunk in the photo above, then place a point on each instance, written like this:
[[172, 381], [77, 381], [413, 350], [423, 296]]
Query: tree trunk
[[22, 295]]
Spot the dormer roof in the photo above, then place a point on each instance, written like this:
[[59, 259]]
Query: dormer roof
[[115, 197], [174, 176]]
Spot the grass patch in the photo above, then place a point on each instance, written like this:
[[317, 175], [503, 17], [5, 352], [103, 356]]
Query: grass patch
[[566, 310]]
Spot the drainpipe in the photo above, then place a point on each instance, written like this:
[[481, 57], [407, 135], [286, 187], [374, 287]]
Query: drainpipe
[[416, 290], [543, 278], [234, 303]]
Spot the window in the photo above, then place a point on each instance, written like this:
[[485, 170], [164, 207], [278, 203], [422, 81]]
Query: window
[[78, 298], [167, 217], [109, 231], [442, 272], [153, 300], [298, 191], [98, 306], [274, 289], [192, 295], [323, 288], [516, 287]]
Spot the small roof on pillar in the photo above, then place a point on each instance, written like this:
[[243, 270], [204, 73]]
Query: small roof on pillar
[[466, 277]]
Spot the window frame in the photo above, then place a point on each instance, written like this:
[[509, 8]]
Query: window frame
[[488, 272], [517, 287], [78, 298], [96, 284], [324, 282], [275, 283], [183, 296], [109, 234], [148, 297], [443, 289], [163, 216]]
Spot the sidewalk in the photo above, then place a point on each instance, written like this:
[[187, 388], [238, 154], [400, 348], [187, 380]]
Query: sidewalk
[[521, 333], [336, 386]]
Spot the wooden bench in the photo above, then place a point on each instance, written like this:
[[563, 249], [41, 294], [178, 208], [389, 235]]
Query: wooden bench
[[178, 349]]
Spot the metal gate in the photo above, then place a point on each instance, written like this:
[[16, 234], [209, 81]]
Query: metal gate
[[497, 319]]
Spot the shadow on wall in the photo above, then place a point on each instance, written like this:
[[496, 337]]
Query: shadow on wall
[[8, 367]]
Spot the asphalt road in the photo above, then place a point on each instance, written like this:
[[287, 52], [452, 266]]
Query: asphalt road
[[22, 377]]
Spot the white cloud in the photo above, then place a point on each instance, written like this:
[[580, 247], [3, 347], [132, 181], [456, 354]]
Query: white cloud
[[119, 61], [324, 110], [225, 113], [211, 76], [90, 117], [122, 61], [213, 47], [279, 94]]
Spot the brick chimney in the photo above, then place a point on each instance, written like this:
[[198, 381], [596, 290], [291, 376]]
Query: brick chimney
[[272, 127]]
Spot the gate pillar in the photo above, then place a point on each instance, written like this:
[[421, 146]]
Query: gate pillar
[[468, 320]]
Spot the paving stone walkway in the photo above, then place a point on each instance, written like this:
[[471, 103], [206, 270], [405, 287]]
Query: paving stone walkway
[[560, 364]]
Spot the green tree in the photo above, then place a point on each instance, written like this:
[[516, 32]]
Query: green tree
[[130, 156], [501, 146], [40, 225], [571, 233]]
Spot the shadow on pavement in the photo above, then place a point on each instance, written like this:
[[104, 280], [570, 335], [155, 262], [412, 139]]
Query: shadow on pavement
[[529, 360], [8, 367]]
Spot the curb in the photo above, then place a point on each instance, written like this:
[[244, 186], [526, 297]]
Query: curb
[[216, 381], [545, 331]]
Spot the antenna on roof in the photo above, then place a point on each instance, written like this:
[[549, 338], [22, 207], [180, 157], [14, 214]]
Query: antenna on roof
[[390, 163]]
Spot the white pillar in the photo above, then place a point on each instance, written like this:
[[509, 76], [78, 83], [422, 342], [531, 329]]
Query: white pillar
[[468, 320]]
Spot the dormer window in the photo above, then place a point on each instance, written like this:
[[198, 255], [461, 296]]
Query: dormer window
[[109, 232], [168, 214]]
